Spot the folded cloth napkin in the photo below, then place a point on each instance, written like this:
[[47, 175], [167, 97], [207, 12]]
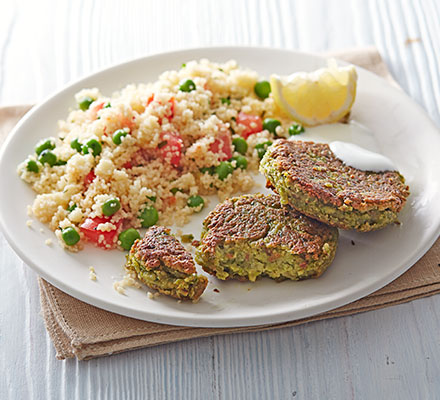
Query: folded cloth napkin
[[80, 330]]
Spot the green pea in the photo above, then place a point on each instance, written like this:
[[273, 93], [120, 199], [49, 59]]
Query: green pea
[[128, 237], [149, 216], [46, 156], [32, 166], [70, 236], [94, 145], [110, 207], [271, 124], [196, 201], [118, 135], [262, 148], [75, 145], [45, 144], [262, 89], [224, 169], [84, 104], [296, 129], [240, 162], [72, 207], [240, 145], [187, 86]]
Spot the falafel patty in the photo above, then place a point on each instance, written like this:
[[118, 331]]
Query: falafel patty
[[162, 263], [252, 236], [310, 178]]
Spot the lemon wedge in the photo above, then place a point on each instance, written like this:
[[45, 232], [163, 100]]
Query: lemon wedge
[[320, 97]]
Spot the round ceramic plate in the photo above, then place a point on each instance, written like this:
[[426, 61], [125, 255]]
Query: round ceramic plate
[[399, 128]]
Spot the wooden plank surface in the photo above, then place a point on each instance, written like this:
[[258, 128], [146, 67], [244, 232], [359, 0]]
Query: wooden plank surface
[[386, 354]]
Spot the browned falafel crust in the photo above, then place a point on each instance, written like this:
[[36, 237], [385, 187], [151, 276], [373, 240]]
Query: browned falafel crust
[[162, 263], [312, 179], [252, 236]]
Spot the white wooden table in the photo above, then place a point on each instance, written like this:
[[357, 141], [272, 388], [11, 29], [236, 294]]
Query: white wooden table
[[392, 353]]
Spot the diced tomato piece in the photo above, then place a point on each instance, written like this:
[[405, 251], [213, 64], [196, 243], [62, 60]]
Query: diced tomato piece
[[93, 111], [252, 124], [98, 107], [150, 99], [171, 147], [127, 122], [170, 201], [106, 240], [172, 102], [88, 179], [222, 146], [127, 165]]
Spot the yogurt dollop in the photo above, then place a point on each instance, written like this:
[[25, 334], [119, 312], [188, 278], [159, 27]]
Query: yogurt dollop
[[360, 158]]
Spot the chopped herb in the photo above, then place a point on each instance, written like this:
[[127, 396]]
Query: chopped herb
[[72, 207], [187, 86], [118, 135], [32, 166], [60, 162], [46, 156], [94, 146], [74, 144], [209, 170], [161, 144], [45, 144], [187, 238], [175, 190], [226, 100]]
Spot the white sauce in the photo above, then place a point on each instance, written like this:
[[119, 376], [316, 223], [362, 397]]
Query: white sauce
[[360, 158], [352, 132], [352, 143]]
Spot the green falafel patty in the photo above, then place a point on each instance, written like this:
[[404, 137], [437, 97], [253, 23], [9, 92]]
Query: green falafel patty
[[310, 178], [253, 236], [162, 263]]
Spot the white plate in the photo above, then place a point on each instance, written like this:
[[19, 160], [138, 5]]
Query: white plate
[[401, 129]]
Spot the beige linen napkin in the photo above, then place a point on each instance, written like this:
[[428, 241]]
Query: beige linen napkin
[[81, 330]]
